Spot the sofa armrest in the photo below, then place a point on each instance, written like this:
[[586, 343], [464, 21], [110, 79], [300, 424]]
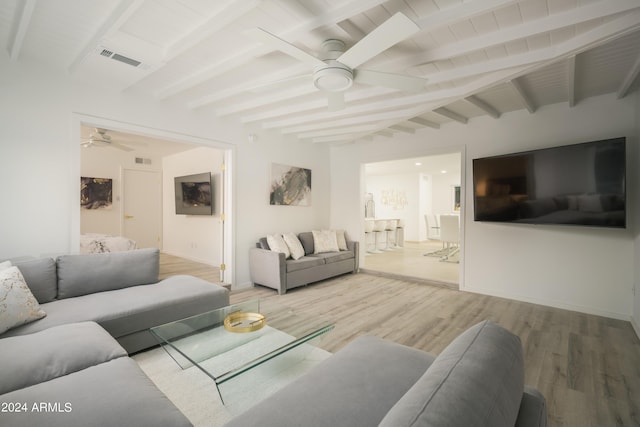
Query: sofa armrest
[[533, 409], [268, 268], [355, 248]]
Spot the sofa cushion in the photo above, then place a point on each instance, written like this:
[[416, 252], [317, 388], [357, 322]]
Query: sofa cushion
[[354, 387], [295, 247], [41, 277], [61, 350], [303, 263], [330, 257], [114, 393], [277, 244], [17, 304], [125, 311], [324, 241], [306, 239], [90, 273], [478, 380]]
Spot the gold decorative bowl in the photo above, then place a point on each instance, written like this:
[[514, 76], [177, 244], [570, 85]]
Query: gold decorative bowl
[[244, 322]]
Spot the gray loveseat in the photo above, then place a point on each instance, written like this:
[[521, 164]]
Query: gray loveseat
[[71, 367], [478, 380], [274, 270]]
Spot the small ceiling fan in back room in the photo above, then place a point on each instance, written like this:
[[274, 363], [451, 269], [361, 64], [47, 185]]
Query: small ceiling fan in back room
[[100, 138], [335, 70]]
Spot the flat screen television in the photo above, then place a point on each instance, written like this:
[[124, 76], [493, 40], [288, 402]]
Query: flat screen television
[[579, 184], [193, 194]]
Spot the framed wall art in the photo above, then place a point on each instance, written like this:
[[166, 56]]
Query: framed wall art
[[290, 185]]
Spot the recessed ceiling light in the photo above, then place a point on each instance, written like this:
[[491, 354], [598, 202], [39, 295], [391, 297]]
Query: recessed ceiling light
[[443, 171], [418, 164]]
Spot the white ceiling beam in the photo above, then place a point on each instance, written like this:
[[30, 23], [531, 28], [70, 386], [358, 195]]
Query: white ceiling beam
[[336, 131], [219, 19], [451, 115], [114, 21], [631, 76], [571, 80], [474, 100], [461, 12], [575, 16], [384, 133], [522, 95], [403, 129], [247, 53], [219, 95], [425, 122], [350, 121], [20, 33]]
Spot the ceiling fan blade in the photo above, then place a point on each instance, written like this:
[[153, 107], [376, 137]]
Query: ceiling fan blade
[[393, 81], [120, 146], [281, 83], [279, 44], [335, 100], [394, 30]]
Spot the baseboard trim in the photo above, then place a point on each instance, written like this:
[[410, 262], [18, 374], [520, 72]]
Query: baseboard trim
[[554, 304]]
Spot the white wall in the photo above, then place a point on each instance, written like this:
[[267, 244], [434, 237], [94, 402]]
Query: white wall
[[578, 268], [195, 237], [99, 162]]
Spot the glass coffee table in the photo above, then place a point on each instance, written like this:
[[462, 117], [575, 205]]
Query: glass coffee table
[[271, 351]]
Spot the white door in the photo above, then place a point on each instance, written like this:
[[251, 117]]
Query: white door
[[142, 207]]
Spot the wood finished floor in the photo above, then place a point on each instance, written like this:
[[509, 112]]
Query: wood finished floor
[[588, 367], [171, 265]]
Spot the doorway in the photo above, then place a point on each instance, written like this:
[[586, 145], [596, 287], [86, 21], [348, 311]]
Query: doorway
[[413, 192], [149, 152]]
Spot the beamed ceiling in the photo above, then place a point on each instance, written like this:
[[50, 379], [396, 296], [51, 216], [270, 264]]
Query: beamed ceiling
[[477, 57]]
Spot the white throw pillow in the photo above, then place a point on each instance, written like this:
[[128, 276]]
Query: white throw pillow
[[277, 244], [342, 240], [324, 241], [17, 304], [294, 245]]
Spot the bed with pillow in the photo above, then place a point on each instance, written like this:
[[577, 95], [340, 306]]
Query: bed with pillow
[[289, 260]]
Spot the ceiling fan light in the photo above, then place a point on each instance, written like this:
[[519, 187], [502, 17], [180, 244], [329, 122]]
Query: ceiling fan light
[[333, 79]]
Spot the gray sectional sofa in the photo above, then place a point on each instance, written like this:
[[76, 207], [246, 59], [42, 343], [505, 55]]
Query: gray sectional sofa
[[274, 270], [478, 380], [74, 361]]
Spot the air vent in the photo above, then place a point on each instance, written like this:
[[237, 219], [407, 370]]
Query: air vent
[[143, 161], [126, 60], [118, 57]]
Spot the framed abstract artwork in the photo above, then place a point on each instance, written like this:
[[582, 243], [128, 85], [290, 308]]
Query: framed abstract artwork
[[290, 185], [96, 193]]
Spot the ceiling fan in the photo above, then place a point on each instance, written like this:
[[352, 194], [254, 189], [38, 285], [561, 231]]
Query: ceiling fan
[[100, 138], [335, 70]]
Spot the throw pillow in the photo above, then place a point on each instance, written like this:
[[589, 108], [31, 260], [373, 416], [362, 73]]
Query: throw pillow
[[294, 245], [342, 240], [324, 241], [4, 265], [17, 304], [277, 244]]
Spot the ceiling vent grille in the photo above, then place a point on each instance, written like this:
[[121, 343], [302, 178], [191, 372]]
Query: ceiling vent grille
[[118, 57]]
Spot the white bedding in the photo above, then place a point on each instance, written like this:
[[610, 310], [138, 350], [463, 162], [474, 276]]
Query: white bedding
[[96, 243]]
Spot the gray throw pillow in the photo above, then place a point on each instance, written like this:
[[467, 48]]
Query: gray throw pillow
[[478, 380]]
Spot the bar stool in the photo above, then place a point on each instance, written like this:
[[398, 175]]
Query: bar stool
[[379, 227], [399, 234], [392, 225], [368, 229]]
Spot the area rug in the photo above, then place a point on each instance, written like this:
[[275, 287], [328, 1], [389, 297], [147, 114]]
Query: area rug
[[194, 393]]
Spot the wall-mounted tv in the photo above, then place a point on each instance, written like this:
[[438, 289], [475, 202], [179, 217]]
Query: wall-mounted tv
[[194, 194], [579, 184]]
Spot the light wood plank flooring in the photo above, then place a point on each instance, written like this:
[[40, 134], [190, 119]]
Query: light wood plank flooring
[[171, 265], [588, 367]]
